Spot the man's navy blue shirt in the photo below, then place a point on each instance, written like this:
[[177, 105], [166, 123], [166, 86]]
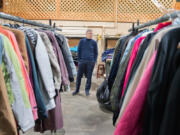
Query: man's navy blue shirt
[[87, 50]]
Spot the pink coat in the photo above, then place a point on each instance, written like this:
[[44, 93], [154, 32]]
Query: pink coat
[[131, 121]]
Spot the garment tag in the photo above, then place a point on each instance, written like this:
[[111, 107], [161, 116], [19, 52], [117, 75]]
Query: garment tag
[[178, 46]]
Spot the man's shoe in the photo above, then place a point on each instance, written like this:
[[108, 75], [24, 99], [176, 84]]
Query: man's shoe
[[75, 93], [87, 94]]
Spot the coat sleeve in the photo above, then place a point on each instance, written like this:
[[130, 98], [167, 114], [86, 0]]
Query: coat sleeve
[[95, 52], [79, 50]]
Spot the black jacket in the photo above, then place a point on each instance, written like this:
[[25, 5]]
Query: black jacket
[[163, 72], [171, 119], [115, 65], [60, 41]]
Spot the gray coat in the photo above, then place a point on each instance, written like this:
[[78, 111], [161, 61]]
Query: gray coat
[[53, 60], [44, 67], [45, 73], [67, 53]]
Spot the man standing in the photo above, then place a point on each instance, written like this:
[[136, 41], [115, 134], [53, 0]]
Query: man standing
[[87, 57]]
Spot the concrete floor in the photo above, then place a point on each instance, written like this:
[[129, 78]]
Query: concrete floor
[[82, 115]]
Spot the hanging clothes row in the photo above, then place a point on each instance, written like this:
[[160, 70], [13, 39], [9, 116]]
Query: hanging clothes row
[[34, 64], [143, 82]]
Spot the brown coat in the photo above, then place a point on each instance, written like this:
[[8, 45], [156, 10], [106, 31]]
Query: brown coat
[[20, 37], [7, 121]]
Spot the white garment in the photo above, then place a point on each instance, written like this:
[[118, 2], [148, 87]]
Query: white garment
[[44, 67], [46, 75], [53, 60]]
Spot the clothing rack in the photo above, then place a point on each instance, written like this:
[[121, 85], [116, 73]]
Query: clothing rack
[[24, 21], [159, 20]]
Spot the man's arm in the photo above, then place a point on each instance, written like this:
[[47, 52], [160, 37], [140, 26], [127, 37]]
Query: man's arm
[[95, 52], [79, 50]]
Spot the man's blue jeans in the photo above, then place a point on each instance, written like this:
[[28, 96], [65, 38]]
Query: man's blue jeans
[[85, 68]]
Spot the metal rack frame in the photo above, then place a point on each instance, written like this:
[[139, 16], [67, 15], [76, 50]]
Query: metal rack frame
[[159, 20], [24, 21]]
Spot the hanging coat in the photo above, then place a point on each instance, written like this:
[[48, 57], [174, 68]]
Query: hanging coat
[[21, 106], [131, 121], [59, 55], [162, 75], [67, 55], [135, 80], [42, 112], [21, 44], [45, 74], [7, 117], [28, 86], [53, 60]]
